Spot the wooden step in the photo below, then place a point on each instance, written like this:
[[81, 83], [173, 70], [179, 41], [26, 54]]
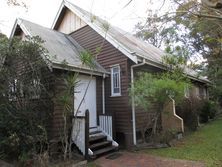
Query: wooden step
[[93, 127], [97, 146], [104, 150], [93, 139], [95, 132]]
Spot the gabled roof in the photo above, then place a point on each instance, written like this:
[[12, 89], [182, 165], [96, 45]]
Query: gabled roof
[[125, 42], [134, 48], [97, 24], [60, 47]]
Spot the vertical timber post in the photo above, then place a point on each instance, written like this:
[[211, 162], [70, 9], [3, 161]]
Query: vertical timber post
[[86, 134], [113, 125]]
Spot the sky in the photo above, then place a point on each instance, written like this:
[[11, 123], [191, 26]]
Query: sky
[[43, 12]]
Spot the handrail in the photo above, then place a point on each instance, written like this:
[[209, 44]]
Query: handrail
[[106, 125], [80, 133]]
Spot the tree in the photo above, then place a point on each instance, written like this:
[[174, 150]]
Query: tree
[[197, 34], [20, 3], [157, 88], [23, 69], [155, 32], [23, 115], [203, 23]]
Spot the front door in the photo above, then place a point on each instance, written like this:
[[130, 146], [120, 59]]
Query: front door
[[89, 101]]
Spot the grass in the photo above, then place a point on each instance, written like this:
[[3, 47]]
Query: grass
[[204, 145]]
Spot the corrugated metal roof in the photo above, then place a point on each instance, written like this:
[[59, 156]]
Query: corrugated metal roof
[[124, 40], [60, 47]]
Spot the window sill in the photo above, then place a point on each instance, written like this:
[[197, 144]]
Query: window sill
[[116, 95]]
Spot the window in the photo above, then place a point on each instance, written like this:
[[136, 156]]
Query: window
[[35, 89], [203, 92], [187, 92], [115, 81], [197, 89], [12, 89]]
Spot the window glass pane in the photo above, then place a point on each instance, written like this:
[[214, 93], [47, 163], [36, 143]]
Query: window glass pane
[[35, 89], [115, 69], [116, 90], [114, 80], [201, 91]]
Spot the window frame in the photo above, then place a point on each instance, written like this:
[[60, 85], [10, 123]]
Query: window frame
[[12, 90], [186, 91], [113, 94], [203, 92], [35, 88]]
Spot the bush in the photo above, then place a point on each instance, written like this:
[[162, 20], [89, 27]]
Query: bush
[[24, 108], [165, 137], [157, 88], [188, 110], [22, 132], [208, 111]]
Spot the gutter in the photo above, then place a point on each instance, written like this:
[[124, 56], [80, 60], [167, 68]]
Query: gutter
[[133, 100], [164, 67], [58, 65]]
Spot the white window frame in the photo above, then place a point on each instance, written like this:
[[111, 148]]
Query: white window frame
[[13, 90], [187, 91], [113, 94]]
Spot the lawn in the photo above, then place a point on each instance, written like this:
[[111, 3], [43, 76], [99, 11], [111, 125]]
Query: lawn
[[204, 145]]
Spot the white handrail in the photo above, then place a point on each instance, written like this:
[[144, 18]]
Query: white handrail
[[105, 124]]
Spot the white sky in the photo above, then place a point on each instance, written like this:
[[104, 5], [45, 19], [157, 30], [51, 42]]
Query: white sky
[[43, 12]]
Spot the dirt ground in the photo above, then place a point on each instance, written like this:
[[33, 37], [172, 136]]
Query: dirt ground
[[127, 159]]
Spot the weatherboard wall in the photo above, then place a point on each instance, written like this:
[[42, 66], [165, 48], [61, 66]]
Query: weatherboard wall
[[107, 57], [68, 22]]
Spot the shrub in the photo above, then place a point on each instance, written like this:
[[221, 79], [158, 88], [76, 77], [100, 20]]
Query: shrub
[[208, 110], [189, 110], [165, 137], [157, 88], [24, 97], [22, 132]]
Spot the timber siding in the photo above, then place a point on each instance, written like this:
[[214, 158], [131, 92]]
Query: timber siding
[[68, 22], [57, 117], [109, 56]]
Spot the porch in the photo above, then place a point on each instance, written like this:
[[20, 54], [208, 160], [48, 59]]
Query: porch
[[94, 141]]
